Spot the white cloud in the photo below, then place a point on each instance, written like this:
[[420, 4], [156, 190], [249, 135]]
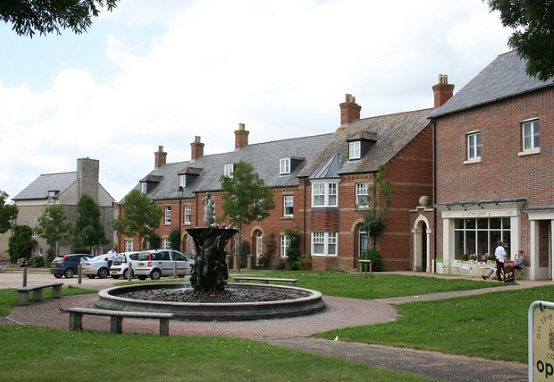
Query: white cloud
[[281, 67]]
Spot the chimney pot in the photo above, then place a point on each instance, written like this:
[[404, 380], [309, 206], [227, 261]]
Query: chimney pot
[[241, 136], [442, 91]]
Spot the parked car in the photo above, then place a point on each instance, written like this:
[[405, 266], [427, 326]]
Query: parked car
[[95, 266], [67, 265], [120, 264], [160, 262]]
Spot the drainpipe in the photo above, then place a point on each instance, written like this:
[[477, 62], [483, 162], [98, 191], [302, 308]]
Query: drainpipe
[[435, 236]]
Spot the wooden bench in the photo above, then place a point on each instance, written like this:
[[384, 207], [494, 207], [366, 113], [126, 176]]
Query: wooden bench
[[362, 267], [36, 292], [76, 318], [265, 280]]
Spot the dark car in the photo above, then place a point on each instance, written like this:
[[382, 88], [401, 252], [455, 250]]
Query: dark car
[[66, 265]]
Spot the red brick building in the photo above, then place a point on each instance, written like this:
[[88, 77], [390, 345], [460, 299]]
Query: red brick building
[[319, 184], [494, 178]]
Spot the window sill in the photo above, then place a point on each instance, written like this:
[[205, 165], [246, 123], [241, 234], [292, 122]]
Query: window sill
[[529, 152], [322, 255], [472, 161], [287, 217]]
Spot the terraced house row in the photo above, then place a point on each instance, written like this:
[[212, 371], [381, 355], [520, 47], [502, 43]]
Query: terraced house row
[[472, 170]]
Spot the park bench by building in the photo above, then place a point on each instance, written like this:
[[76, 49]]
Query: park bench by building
[[265, 280]]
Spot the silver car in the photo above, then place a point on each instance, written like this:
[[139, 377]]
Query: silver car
[[162, 262], [120, 264], [95, 266]]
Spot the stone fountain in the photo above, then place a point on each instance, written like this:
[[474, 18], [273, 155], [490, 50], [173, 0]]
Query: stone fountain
[[209, 297]]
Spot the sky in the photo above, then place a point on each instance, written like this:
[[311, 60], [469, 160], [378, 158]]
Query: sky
[[159, 73]]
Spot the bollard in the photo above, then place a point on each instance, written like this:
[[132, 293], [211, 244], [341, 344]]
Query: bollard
[[130, 272], [24, 276], [79, 274], [174, 270]]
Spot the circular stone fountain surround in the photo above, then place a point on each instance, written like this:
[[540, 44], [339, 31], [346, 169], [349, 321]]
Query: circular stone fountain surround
[[310, 302]]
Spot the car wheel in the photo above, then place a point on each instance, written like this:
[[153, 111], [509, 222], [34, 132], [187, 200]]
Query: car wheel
[[155, 274], [103, 273], [126, 274], [58, 275], [68, 273]]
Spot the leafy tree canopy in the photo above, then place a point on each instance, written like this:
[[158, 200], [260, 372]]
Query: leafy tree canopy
[[50, 16], [246, 198], [53, 225], [8, 212], [140, 216], [533, 37], [21, 243], [89, 230]]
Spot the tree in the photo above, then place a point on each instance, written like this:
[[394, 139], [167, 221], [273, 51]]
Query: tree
[[8, 213], [245, 198], [53, 227], [140, 216], [47, 16], [21, 243], [89, 230], [175, 240], [381, 192], [533, 36]]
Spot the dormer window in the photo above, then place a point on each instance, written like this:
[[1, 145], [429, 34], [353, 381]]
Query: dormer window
[[182, 180], [143, 186], [284, 166], [228, 170], [354, 150]]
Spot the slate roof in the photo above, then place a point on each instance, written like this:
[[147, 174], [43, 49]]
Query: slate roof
[[264, 157], [39, 188], [503, 78], [392, 132]]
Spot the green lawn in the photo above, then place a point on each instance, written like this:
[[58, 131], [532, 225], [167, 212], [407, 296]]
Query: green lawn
[[354, 285], [8, 297], [492, 325], [41, 354]]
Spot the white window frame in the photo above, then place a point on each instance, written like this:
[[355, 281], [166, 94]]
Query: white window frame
[[259, 243], [182, 180], [165, 243], [533, 137], [143, 187], [474, 146], [285, 243], [288, 206], [167, 215], [325, 194], [328, 241], [128, 244], [354, 150], [362, 195], [284, 166], [228, 170], [187, 214]]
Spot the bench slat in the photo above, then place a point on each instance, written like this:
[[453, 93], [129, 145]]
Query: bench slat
[[42, 286], [119, 313]]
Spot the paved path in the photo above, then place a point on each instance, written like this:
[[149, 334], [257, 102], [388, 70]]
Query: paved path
[[295, 332]]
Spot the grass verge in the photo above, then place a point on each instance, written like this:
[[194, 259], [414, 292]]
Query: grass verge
[[85, 356], [492, 326], [8, 297], [354, 285]]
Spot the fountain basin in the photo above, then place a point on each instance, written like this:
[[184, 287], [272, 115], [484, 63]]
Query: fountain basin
[[301, 302]]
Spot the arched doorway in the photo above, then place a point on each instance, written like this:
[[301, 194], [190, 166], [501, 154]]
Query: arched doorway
[[421, 246], [362, 241]]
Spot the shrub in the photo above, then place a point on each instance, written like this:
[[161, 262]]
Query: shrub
[[293, 251], [376, 259], [306, 262], [36, 261], [22, 262], [264, 261]]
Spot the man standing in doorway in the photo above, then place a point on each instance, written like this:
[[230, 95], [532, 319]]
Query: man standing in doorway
[[500, 254]]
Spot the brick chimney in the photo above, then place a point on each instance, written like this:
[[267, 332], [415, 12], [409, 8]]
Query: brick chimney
[[87, 176], [349, 110], [160, 157], [196, 149], [443, 91], [241, 137]]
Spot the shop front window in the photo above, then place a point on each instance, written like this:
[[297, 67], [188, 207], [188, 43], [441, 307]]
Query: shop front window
[[476, 239]]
